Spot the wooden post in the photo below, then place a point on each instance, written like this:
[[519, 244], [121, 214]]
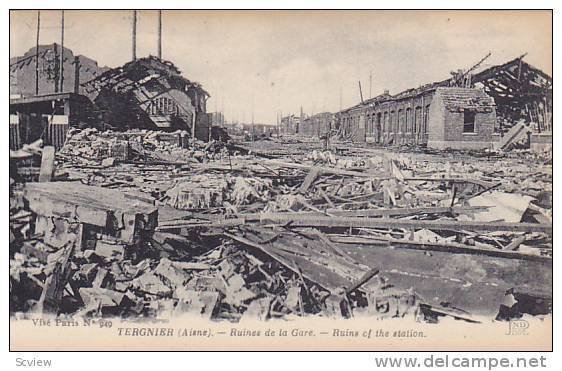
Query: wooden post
[[56, 79], [360, 91], [370, 85], [37, 54], [61, 78]]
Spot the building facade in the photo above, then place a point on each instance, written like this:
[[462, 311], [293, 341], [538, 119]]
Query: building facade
[[386, 119], [440, 117]]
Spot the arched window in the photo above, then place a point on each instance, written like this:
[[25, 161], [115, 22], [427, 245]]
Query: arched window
[[400, 121]]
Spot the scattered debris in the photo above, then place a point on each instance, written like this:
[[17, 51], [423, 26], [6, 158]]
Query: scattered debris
[[147, 224]]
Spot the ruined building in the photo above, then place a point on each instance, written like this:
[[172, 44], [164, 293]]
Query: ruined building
[[42, 104], [469, 110], [147, 93], [438, 116], [521, 93], [150, 93], [77, 69]]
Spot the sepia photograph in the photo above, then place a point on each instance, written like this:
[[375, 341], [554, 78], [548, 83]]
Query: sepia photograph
[[280, 180]]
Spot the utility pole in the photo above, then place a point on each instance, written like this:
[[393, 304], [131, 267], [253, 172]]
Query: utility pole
[[360, 91], [160, 34], [222, 111], [253, 127], [56, 73], [370, 84], [37, 54], [134, 46], [216, 99], [61, 78]]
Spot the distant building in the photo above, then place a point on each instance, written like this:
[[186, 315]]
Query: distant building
[[150, 93], [317, 125], [289, 124]]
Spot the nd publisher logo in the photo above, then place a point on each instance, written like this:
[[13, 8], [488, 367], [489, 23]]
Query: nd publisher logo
[[518, 327]]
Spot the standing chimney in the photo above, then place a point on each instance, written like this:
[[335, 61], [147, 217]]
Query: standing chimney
[[61, 78], [160, 34], [134, 35]]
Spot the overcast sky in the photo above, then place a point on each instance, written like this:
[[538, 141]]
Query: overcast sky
[[274, 61]]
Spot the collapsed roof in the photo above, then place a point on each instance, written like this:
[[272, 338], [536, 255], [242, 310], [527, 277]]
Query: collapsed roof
[[130, 95]]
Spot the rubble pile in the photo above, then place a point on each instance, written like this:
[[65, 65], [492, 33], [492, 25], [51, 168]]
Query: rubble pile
[[92, 147], [161, 231]]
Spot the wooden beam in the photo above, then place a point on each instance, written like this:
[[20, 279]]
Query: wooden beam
[[316, 220], [449, 247], [332, 211], [451, 225]]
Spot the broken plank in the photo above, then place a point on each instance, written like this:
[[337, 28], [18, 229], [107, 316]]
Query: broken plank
[[450, 247], [266, 251], [368, 275], [47, 164], [481, 183], [54, 285], [406, 211], [314, 172], [327, 170], [515, 243]]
